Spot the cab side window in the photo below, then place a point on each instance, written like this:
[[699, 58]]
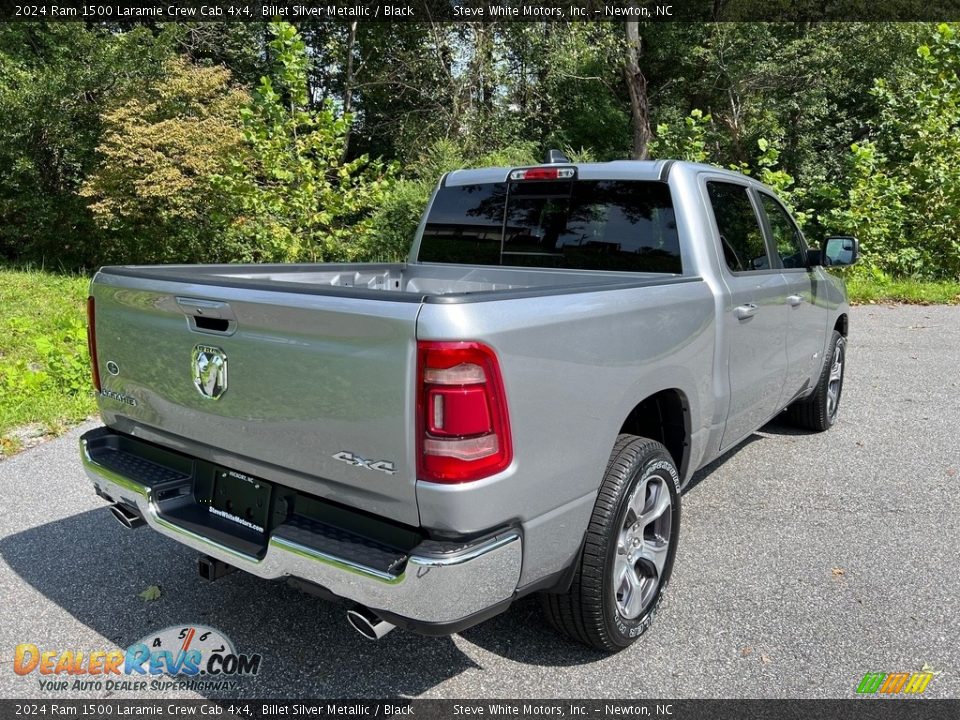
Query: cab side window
[[786, 236], [740, 235]]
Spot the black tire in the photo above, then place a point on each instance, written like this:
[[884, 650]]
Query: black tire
[[590, 611], [818, 412]]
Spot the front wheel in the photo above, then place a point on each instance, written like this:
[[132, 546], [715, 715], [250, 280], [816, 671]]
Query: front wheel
[[819, 411], [628, 552]]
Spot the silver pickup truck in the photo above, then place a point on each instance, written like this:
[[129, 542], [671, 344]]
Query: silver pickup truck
[[514, 410]]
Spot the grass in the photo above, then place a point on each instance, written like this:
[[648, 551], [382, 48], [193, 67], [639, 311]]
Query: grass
[[45, 384], [863, 289]]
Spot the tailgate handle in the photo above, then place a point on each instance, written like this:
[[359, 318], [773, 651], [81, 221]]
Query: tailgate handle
[[210, 324], [208, 316]]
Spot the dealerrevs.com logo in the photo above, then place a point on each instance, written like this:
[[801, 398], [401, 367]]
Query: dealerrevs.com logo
[[191, 657]]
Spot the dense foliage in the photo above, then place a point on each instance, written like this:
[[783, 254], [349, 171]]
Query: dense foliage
[[152, 194], [298, 197], [322, 142], [903, 197], [56, 81]]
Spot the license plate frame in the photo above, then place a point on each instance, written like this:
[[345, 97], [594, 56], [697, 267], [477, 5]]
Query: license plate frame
[[241, 499]]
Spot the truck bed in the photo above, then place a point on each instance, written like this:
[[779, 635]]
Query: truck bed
[[400, 282]]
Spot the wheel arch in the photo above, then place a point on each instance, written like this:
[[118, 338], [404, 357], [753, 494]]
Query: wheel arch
[[645, 419], [842, 324], [664, 416]]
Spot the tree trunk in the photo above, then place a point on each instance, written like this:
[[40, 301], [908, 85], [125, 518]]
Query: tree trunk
[[482, 79], [543, 73], [637, 87], [348, 85]]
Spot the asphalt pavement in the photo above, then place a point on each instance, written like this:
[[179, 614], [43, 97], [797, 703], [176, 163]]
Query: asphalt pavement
[[805, 561]]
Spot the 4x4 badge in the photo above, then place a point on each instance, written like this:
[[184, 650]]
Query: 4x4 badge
[[209, 371], [384, 466]]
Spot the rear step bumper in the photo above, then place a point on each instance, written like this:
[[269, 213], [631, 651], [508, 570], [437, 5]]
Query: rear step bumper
[[435, 584]]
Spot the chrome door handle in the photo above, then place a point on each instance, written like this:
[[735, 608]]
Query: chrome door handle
[[794, 300], [742, 312]]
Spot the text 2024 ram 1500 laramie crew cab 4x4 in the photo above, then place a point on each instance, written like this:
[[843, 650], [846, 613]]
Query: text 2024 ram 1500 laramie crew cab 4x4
[[515, 409]]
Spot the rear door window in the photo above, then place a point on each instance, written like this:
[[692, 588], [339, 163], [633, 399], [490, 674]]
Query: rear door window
[[741, 238]]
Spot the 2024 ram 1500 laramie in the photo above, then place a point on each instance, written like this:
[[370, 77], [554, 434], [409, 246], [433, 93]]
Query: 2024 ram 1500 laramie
[[514, 410]]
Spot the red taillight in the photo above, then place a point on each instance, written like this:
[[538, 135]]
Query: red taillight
[[463, 431], [543, 173], [92, 342]]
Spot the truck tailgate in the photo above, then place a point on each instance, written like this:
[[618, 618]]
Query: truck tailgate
[[322, 386]]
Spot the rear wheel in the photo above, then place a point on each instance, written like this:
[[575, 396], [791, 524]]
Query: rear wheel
[[819, 411], [628, 552]]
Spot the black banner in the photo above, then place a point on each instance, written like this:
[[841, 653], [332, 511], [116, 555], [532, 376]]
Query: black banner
[[853, 709], [130, 11]]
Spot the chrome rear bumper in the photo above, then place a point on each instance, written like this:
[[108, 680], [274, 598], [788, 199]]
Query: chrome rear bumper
[[438, 584]]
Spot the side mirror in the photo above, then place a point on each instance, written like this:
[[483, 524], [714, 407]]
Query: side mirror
[[840, 251]]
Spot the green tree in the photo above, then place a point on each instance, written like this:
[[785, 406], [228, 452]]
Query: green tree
[[152, 194], [803, 87], [237, 46], [685, 141], [586, 104], [904, 197], [874, 209], [295, 197], [56, 79]]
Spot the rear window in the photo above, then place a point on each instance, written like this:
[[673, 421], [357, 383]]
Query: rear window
[[575, 224]]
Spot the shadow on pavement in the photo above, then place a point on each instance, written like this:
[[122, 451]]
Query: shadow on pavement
[[781, 426], [92, 568], [523, 635], [778, 426], [703, 473], [95, 570]]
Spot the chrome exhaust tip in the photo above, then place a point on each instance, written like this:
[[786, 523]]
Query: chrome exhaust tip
[[126, 516], [368, 623]]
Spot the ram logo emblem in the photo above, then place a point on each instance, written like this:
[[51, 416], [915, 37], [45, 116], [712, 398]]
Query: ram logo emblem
[[209, 371]]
